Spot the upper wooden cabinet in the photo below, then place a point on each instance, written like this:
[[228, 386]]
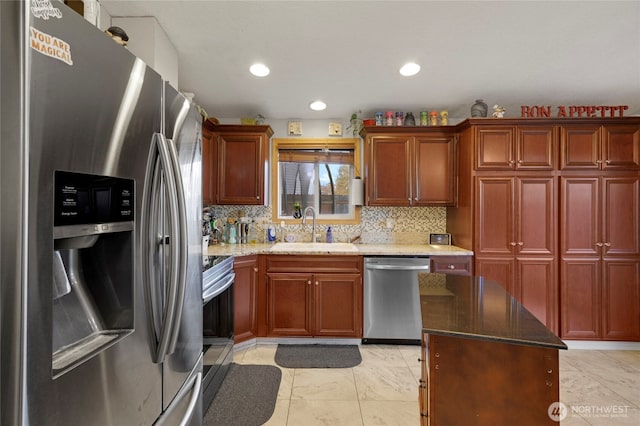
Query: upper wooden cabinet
[[410, 166], [526, 147], [209, 166], [237, 156], [596, 147]]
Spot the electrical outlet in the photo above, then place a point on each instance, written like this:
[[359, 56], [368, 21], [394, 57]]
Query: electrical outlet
[[335, 129]]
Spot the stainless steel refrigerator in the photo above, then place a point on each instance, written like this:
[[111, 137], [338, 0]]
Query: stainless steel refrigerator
[[101, 297]]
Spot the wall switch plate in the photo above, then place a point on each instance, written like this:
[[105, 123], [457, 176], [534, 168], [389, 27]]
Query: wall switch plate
[[295, 128], [335, 129]]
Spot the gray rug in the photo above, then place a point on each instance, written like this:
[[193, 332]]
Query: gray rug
[[246, 397], [318, 356]]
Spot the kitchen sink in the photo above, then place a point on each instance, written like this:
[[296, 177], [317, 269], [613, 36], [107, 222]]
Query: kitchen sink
[[313, 248]]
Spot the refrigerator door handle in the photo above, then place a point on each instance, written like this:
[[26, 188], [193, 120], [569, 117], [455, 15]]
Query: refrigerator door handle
[[161, 166], [193, 384], [182, 241]]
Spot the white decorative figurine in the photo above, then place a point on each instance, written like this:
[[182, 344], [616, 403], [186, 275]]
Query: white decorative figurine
[[498, 111]]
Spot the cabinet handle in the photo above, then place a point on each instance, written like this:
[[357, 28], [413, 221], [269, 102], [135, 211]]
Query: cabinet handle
[[598, 161], [257, 197], [599, 244], [607, 244], [451, 267], [520, 243], [512, 243]]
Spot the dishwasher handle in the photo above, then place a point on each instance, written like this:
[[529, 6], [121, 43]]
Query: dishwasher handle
[[390, 267]]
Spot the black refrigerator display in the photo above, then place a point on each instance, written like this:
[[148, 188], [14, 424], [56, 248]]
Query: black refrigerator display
[[101, 296]]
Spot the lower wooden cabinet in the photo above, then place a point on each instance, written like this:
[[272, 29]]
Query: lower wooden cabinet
[[245, 288], [601, 299], [531, 280], [309, 303]]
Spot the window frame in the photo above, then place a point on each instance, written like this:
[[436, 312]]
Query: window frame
[[312, 143]]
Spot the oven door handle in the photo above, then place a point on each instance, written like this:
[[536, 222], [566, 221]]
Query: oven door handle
[[215, 290], [389, 267]]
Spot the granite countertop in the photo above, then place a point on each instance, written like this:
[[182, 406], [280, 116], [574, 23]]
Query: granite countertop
[[478, 308], [338, 249]]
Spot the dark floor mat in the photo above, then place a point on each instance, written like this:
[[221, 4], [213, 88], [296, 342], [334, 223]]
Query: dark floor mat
[[318, 356], [246, 397]]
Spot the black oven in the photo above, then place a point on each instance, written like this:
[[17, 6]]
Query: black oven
[[217, 316]]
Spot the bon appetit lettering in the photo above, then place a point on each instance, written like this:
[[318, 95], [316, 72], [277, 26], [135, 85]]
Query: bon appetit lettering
[[572, 111]]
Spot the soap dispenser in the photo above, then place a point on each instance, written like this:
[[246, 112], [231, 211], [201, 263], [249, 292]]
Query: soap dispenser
[[329, 235]]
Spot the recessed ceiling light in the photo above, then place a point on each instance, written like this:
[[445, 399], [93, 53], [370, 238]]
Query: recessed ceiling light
[[410, 69], [318, 106], [259, 70]]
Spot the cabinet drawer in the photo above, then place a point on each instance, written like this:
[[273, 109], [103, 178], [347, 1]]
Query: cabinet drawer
[[458, 265], [314, 263]]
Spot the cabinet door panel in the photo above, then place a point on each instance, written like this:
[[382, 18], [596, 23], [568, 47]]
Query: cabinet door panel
[[494, 148], [580, 147], [621, 148], [579, 216], [535, 148], [494, 216], [245, 323], [621, 215], [500, 270], [241, 180], [621, 300], [535, 218], [535, 287], [389, 177], [337, 309], [580, 298], [434, 171], [288, 304]]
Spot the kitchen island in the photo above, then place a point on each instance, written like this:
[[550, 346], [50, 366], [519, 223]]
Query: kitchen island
[[486, 360]]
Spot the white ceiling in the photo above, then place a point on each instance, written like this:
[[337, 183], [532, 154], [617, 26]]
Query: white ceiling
[[348, 53]]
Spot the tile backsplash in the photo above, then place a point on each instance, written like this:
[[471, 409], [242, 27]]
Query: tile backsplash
[[378, 225]]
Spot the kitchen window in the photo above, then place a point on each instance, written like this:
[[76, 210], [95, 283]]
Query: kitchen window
[[316, 173]]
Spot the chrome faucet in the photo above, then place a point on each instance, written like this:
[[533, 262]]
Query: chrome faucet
[[313, 217]]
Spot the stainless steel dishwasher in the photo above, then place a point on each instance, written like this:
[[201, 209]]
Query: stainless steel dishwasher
[[392, 299]]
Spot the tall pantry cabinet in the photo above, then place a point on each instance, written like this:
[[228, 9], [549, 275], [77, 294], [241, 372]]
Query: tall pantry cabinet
[[600, 231], [551, 210]]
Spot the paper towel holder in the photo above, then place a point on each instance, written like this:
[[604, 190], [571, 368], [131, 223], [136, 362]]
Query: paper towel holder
[[357, 191]]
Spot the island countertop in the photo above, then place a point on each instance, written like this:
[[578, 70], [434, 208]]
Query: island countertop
[[478, 308]]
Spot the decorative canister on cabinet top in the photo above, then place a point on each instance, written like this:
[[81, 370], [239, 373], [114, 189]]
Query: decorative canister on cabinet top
[[479, 109], [409, 120]]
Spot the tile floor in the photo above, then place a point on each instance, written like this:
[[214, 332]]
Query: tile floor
[[598, 387]]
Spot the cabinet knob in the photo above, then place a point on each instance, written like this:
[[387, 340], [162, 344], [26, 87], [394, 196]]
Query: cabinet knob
[[451, 267], [598, 161], [607, 162], [512, 243], [512, 162], [520, 243], [309, 282], [257, 197], [255, 269], [317, 283]]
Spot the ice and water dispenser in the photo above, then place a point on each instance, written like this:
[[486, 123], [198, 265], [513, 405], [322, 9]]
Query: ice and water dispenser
[[93, 266]]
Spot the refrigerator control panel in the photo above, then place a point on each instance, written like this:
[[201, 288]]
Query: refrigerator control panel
[[92, 199]]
